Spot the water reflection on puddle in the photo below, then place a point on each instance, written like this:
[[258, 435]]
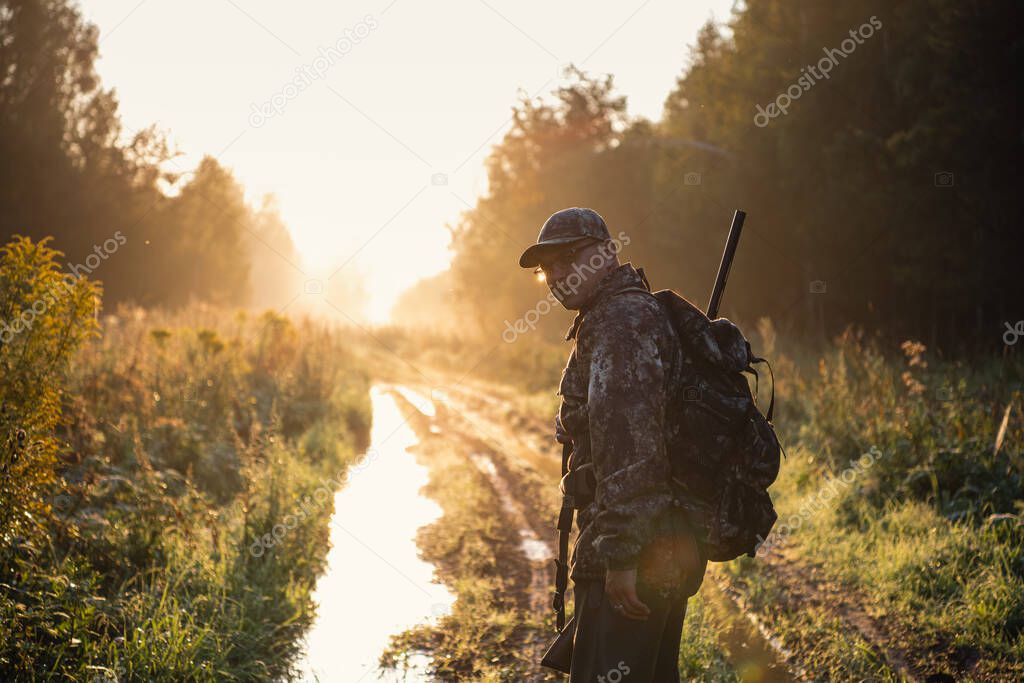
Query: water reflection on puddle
[[420, 402], [375, 585]]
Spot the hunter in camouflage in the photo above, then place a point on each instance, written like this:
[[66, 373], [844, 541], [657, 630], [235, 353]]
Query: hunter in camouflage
[[635, 560]]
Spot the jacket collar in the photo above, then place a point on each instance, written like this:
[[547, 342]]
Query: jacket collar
[[623, 277]]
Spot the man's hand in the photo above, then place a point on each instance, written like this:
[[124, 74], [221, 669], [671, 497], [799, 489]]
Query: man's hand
[[620, 589]]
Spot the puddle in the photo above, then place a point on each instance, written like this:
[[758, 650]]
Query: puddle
[[530, 545], [751, 654], [535, 549], [419, 401], [441, 395], [484, 463], [375, 585]]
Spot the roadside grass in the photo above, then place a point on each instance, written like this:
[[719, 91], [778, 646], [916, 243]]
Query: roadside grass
[[179, 529], [921, 526], [948, 592]]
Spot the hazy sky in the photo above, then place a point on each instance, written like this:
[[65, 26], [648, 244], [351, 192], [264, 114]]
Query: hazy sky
[[370, 120]]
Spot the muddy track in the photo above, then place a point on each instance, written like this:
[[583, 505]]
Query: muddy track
[[805, 585], [499, 426], [536, 548]]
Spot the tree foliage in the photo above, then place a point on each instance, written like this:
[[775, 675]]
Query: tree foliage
[[885, 196], [73, 172]]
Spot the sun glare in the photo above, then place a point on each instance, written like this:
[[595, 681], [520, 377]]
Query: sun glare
[[370, 131]]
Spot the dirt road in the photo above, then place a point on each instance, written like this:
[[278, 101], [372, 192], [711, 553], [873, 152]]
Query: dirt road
[[513, 456]]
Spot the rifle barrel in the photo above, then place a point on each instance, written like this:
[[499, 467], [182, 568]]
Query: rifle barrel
[[726, 264]]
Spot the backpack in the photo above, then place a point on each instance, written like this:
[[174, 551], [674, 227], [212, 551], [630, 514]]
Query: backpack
[[724, 451]]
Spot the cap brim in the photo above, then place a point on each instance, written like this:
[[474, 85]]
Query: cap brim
[[532, 257]]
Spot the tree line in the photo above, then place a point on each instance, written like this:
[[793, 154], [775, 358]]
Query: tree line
[[72, 171], [875, 146]]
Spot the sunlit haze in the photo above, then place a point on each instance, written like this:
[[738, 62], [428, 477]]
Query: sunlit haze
[[278, 401], [380, 144]]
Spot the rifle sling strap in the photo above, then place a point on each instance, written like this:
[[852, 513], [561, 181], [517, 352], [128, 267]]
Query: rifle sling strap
[[564, 529]]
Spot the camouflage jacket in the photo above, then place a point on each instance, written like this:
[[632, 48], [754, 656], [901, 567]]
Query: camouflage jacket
[[614, 393]]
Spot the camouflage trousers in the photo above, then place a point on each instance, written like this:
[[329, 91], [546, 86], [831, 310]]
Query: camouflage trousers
[[609, 647]]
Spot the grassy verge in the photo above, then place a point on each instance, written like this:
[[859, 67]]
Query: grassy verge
[[897, 499], [178, 531]]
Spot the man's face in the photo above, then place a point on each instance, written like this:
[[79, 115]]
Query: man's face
[[572, 272]]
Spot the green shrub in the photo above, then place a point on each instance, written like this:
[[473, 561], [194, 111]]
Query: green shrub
[[936, 422], [45, 316], [153, 462]]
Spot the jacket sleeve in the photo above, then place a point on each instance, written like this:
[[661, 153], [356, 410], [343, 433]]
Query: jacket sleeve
[[626, 405]]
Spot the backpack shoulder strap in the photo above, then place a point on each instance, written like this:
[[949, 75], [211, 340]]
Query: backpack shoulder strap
[[578, 320], [771, 402]]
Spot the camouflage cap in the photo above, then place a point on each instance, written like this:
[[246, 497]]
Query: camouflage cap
[[565, 227]]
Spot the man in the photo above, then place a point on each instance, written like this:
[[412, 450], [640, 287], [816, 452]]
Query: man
[[635, 561]]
